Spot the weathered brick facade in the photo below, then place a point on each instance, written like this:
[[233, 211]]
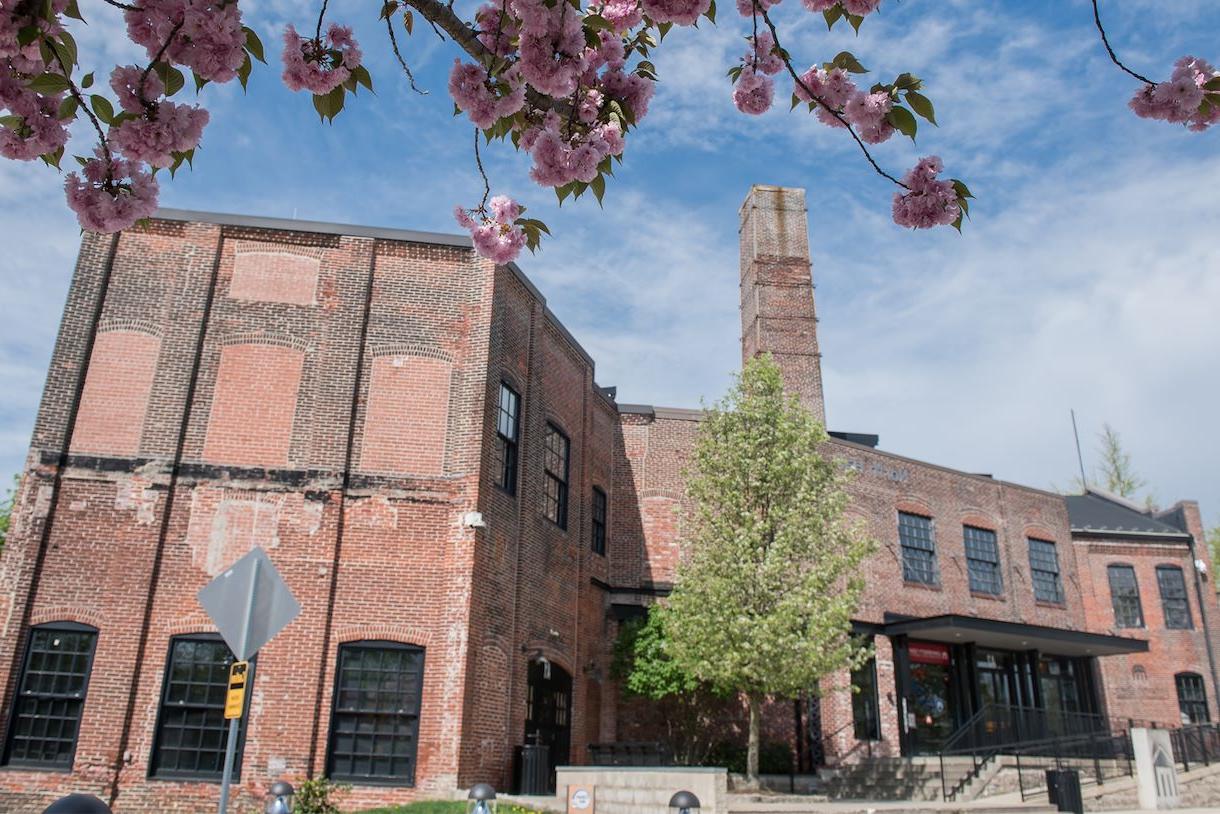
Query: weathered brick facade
[[332, 394]]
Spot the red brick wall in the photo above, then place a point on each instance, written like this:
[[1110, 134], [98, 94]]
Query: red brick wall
[[115, 399], [408, 411], [250, 422]]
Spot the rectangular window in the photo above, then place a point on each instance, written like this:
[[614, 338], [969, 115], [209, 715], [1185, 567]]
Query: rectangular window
[[50, 697], [374, 729], [918, 549], [983, 560], [599, 521], [191, 728], [865, 712], [1192, 698], [1125, 596], [1173, 597], [508, 428], [1044, 571], [555, 495]]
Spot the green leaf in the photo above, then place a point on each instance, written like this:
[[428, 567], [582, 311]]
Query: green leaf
[[387, 9], [80, 159], [957, 224], [362, 76], [964, 204], [73, 11], [243, 73], [564, 191], [15, 122], [832, 15], [67, 108], [597, 22], [962, 190], [922, 105], [28, 34], [796, 100], [199, 81], [598, 185], [848, 62], [855, 21], [102, 108], [902, 119], [69, 45], [711, 12], [253, 44], [1212, 84], [49, 83], [329, 105], [907, 81], [87, 80], [664, 29], [170, 77]]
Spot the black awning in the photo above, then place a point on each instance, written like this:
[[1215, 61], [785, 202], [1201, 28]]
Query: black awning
[[1012, 635]]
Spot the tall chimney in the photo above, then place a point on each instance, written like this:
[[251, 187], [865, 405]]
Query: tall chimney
[[777, 315]]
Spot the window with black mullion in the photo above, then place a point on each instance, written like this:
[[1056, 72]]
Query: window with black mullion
[[555, 494], [918, 549], [982, 560], [50, 698], [508, 429], [1125, 596], [1176, 607], [1044, 571], [599, 521]]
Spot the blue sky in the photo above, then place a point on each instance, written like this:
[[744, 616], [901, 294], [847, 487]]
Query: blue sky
[[1089, 277]]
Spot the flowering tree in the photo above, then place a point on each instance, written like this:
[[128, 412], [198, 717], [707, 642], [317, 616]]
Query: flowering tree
[[563, 80]]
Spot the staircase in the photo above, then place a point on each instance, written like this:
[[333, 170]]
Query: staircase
[[893, 778]]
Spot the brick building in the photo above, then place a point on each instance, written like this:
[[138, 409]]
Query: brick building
[[466, 517]]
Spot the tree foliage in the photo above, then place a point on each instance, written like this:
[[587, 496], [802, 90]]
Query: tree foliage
[[6, 510], [764, 598], [1115, 468]]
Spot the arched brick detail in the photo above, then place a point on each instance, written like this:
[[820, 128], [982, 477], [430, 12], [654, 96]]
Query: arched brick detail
[[255, 398], [110, 420], [189, 624], [403, 634], [411, 349], [407, 416], [912, 504], [280, 274], [555, 656], [67, 613], [268, 338], [142, 326], [978, 519], [1039, 533]]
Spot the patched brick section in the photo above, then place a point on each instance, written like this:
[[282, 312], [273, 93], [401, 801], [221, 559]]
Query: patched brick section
[[408, 410], [274, 276], [252, 410], [121, 370]]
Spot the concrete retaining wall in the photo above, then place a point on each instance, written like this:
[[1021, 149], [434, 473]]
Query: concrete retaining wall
[[646, 790]]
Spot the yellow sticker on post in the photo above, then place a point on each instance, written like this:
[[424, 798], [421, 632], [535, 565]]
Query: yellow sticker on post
[[235, 699]]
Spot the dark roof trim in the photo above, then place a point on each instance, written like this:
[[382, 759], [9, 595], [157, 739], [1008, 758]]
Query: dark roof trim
[[896, 625], [673, 413], [862, 438], [1129, 535]]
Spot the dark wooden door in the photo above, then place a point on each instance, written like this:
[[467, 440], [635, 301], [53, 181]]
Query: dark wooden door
[[548, 712]]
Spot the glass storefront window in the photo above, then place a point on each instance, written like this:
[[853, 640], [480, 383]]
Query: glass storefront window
[[866, 715]]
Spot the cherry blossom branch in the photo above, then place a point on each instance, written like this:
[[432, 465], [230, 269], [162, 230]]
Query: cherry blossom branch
[[1109, 50], [123, 6], [317, 35], [144, 76], [83, 105], [838, 116], [479, 161], [389, 27]]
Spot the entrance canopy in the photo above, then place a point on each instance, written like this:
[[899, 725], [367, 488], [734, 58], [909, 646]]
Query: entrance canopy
[[1001, 635]]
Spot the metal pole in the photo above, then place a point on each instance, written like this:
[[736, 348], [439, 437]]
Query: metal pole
[[235, 723]]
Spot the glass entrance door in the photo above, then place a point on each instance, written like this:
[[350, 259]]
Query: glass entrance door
[[929, 702]]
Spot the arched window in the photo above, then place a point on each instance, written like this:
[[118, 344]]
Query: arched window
[[1125, 596], [1192, 698], [46, 716], [1173, 597], [374, 725], [191, 728]]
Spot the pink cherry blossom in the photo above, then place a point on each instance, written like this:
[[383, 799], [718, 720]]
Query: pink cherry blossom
[[859, 8], [166, 129], [495, 235], [470, 87], [112, 195], [1179, 100], [753, 92], [760, 55], [928, 201], [126, 81], [40, 131], [312, 65], [866, 112], [209, 38], [624, 15], [748, 8], [497, 28], [678, 12], [632, 89], [831, 88], [818, 6]]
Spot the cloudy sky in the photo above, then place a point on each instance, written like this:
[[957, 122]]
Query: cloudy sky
[[1088, 279]]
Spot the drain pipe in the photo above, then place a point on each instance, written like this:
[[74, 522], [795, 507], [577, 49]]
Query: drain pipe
[[1207, 639]]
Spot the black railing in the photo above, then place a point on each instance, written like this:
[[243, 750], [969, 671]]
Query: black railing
[[1097, 756], [1196, 744], [1035, 733]]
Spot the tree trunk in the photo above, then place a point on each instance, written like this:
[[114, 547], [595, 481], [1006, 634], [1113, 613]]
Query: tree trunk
[[752, 777]]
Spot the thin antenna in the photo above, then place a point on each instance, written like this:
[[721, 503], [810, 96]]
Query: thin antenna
[[1084, 481]]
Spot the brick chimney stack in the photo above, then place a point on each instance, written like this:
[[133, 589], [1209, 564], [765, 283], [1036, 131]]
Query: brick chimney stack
[[777, 314]]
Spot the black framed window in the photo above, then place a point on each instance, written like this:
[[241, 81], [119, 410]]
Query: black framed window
[[50, 698], [983, 560], [1044, 571], [1176, 607], [374, 728], [1125, 596], [599, 521], [865, 710], [918, 549], [1192, 698], [191, 728], [555, 494], [508, 429]]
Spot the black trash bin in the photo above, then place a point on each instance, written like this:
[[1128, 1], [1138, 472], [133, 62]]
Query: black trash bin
[[1063, 790], [534, 769]]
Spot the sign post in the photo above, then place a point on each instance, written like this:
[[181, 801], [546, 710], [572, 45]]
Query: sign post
[[250, 604]]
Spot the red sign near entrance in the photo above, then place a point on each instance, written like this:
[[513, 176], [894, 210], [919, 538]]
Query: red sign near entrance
[[928, 653]]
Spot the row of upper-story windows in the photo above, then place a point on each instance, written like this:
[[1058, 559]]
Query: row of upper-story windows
[[1129, 608], [374, 718], [917, 539], [557, 449]]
